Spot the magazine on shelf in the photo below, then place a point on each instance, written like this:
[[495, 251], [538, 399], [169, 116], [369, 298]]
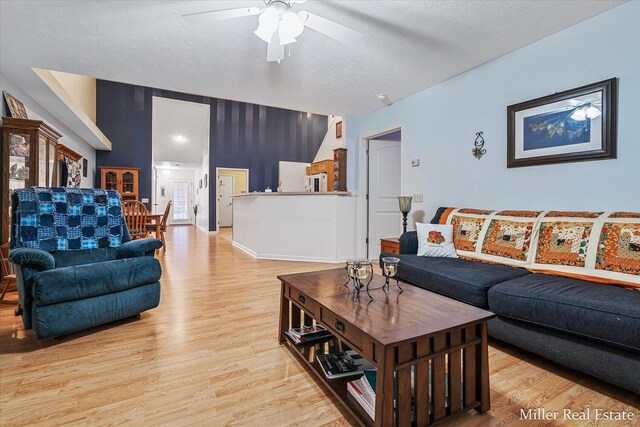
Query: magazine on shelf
[[308, 334], [343, 364], [308, 331], [364, 395]]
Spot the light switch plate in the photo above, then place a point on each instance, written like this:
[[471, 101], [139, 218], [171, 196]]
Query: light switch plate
[[417, 198], [145, 200], [415, 162]]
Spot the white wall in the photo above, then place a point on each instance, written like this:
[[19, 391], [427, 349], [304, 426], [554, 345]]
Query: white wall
[[69, 139], [330, 142], [439, 126], [201, 197]]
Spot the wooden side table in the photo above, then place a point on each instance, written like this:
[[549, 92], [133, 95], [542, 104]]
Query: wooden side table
[[390, 245]]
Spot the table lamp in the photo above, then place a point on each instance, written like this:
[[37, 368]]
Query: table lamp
[[405, 208]]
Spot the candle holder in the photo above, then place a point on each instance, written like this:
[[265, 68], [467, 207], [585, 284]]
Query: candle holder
[[359, 271], [390, 267]]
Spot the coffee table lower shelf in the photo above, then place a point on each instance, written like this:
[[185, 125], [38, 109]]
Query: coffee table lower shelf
[[338, 386]]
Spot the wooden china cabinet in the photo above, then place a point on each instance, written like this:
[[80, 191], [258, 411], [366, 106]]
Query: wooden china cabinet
[[122, 179], [29, 153]]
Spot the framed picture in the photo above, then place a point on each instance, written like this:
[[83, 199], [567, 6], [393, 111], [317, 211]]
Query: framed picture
[[16, 108], [85, 167], [206, 180], [200, 184], [570, 126], [339, 129]]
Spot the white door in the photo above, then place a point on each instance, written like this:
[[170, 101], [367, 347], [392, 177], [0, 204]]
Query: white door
[[225, 191], [181, 208], [385, 219]]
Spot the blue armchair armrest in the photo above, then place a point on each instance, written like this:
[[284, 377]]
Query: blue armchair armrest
[[138, 248], [409, 243], [35, 258]]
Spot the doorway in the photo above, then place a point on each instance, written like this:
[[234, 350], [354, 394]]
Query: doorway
[[182, 200], [229, 182], [384, 186]]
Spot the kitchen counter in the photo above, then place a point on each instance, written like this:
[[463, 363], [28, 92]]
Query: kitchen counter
[[296, 226]]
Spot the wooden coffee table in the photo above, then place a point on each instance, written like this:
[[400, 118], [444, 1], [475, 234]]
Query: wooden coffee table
[[415, 330]]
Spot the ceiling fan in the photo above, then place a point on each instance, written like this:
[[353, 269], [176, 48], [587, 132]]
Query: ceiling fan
[[279, 25]]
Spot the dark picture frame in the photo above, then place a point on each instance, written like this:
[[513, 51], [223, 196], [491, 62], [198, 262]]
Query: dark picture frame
[[339, 129], [85, 167], [559, 128]]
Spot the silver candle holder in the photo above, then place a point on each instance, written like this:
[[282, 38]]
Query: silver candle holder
[[360, 274], [390, 267]]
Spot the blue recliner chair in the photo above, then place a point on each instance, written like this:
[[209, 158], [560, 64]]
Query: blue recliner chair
[[77, 266]]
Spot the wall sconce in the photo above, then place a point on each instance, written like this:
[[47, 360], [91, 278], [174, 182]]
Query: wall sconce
[[478, 149]]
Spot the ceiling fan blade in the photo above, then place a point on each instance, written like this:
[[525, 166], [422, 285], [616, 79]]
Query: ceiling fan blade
[[220, 15], [275, 51], [330, 28]]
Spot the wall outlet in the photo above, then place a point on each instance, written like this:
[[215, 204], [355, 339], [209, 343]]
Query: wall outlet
[[415, 162], [145, 200], [418, 198]]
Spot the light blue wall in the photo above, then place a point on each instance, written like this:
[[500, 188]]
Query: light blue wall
[[439, 125]]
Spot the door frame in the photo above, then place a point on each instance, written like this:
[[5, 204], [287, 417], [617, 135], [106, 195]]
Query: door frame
[[217, 201], [365, 157], [190, 207]]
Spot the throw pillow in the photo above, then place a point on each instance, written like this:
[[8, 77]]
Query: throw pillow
[[436, 240]]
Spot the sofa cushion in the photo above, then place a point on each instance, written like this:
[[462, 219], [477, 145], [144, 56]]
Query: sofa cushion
[[89, 280], [462, 279], [610, 314]]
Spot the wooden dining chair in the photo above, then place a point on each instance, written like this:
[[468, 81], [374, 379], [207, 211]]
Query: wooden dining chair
[[8, 275], [135, 214], [163, 225]]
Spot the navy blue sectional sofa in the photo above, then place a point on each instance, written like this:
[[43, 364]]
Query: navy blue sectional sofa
[[591, 327]]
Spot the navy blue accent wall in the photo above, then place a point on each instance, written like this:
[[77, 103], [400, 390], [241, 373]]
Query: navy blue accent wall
[[242, 135]]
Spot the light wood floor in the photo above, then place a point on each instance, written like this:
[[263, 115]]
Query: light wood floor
[[208, 356]]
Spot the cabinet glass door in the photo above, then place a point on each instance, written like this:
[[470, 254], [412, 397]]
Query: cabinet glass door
[[19, 157], [42, 162], [111, 180], [51, 172], [127, 182]]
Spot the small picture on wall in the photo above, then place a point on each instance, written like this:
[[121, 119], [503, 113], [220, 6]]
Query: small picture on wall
[[85, 167], [339, 129], [574, 125], [200, 184], [206, 181]]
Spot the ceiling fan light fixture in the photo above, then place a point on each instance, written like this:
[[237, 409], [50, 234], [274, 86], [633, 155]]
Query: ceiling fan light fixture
[[267, 23], [264, 33], [291, 24]]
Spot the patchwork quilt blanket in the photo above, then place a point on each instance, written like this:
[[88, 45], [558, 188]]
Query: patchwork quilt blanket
[[61, 219]]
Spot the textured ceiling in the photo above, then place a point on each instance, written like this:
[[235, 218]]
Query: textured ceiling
[[407, 46], [189, 120]]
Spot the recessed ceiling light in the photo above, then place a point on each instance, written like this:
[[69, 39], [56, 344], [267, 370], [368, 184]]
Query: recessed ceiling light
[[179, 138]]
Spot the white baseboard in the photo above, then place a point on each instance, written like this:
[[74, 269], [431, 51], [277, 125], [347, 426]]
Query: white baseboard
[[289, 257], [244, 249]]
